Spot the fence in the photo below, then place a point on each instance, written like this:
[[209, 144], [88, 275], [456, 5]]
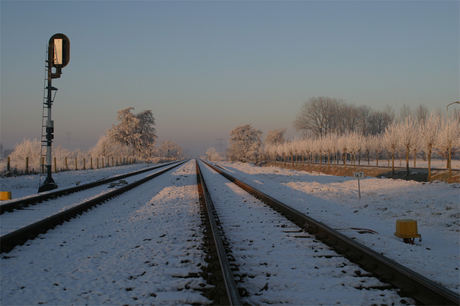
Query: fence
[[67, 164]]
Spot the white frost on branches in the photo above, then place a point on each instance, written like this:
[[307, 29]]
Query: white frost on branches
[[245, 143], [135, 131]]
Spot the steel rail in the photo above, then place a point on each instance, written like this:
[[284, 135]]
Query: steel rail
[[20, 236], [230, 285], [21, 203], [410, 283]]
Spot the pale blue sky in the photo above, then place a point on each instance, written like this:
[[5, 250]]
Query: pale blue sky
[[205, 67]]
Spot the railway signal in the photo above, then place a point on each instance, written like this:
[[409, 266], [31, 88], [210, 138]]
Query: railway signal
[[58, 58]]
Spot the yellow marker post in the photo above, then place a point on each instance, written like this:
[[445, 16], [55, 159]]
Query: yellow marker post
[[5, 195], [407, 230]]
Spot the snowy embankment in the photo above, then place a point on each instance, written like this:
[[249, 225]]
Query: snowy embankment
[[129, 250], [335, 202]]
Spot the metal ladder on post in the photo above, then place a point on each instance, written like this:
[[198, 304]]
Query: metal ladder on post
[[45, 118]]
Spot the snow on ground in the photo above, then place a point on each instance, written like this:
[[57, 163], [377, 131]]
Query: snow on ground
[[98, 265], [335, 202], [25, 185], [130, 250], [279, 268]]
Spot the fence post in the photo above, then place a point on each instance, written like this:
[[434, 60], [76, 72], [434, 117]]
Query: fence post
[[76, 165], [55, 165], [27, 165], [8, 163]]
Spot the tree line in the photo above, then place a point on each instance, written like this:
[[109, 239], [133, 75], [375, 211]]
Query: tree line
[[331, 128], [133, 137]]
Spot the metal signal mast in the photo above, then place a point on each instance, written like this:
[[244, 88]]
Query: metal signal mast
[[58, 58]]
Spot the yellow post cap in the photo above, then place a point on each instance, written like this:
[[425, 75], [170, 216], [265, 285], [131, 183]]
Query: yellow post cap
[[5, 195], [406, 228]]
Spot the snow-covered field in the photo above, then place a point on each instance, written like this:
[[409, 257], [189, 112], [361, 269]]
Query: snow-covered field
[[100, 270], [335, 201], [129, 251]]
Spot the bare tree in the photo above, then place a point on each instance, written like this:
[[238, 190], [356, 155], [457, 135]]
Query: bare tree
[[380, 120], [421, 114], [364, 116], [404, 112], [315, 116]]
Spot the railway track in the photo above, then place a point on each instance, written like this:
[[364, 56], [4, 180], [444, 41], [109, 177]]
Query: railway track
[[143, 247], [33, 200], [31, 229], [155, 252], [410, 283]]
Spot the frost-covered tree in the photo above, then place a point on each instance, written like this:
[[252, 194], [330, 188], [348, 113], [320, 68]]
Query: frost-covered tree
[[366, 147], [146, 131], [429, 132], [27, 148], [406, 131], [212, 154], [390, 140], [275, 136], [292, 149], [103, 146], [170, 149], [376, 143], [329, 145], [343, 146], [448, 138], [125, 131], [135, 131], [106, 147], [245, 143], [354, 145], [305, 149]]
